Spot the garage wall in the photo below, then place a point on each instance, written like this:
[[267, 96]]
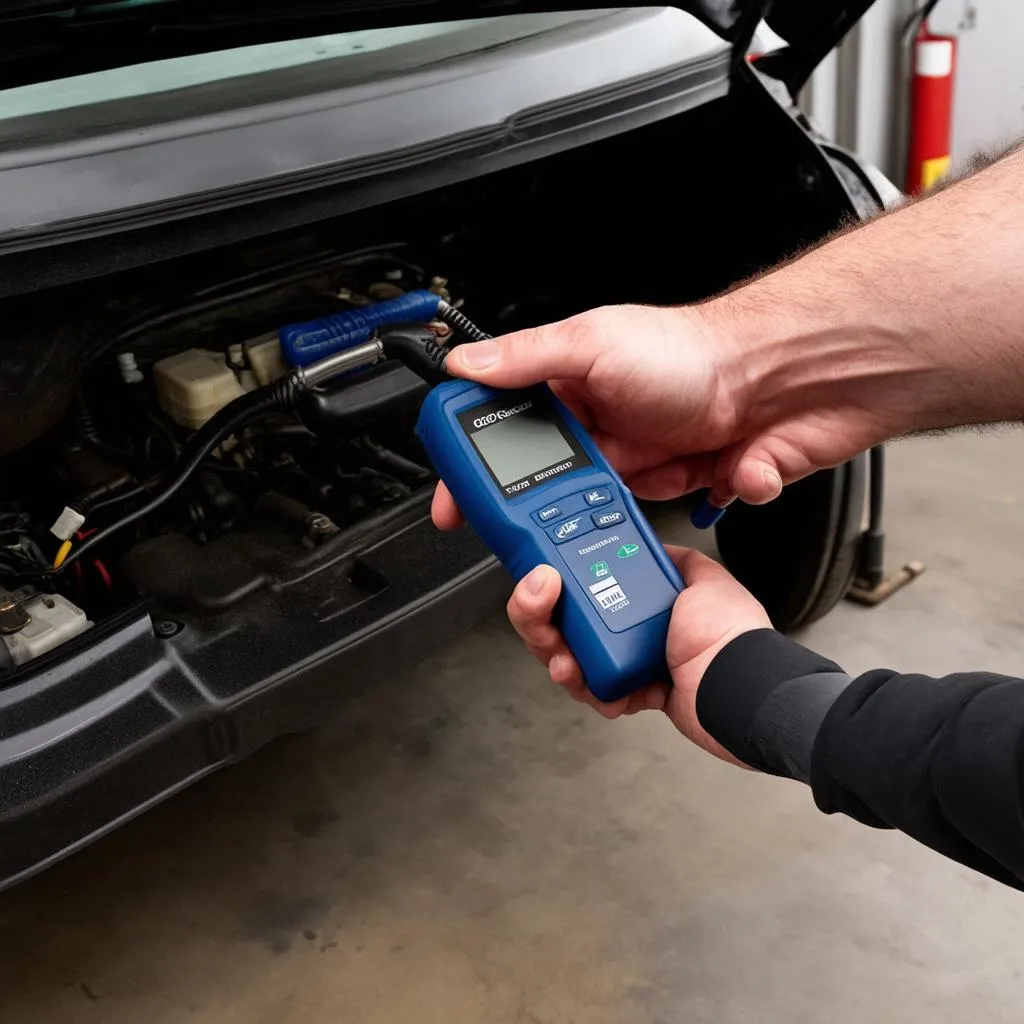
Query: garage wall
[[879, 93], [858, 96], [989, 107]]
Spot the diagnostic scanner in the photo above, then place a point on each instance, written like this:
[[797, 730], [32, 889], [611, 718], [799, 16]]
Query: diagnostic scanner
[[537, 489]]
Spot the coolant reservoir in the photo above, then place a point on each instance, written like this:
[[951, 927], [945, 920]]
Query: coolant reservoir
[[265, 358], [193, 385]]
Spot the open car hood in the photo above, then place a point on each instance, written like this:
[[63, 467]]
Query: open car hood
[[41, 40]]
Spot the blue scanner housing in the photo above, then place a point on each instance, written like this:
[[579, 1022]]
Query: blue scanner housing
[[535, 487]]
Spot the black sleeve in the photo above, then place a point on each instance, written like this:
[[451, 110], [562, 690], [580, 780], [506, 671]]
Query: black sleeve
[[940, 759]]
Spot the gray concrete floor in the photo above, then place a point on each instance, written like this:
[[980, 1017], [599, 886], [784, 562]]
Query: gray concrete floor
[[466, 845]]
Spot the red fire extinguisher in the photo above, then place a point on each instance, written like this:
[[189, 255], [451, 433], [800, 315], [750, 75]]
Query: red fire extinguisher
[[931, 107]]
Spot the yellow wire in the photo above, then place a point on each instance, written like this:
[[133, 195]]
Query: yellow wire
[[62, 552]]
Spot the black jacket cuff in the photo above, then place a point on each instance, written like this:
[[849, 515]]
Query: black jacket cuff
[[764, 698]]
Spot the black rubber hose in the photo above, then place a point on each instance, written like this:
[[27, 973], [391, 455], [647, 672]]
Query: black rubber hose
[[281, 394]]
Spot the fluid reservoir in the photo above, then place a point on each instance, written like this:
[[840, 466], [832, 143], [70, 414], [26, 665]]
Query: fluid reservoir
[[193, 385]]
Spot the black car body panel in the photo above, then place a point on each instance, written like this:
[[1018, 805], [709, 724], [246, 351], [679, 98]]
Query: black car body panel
[[137, 709], [306, 142]]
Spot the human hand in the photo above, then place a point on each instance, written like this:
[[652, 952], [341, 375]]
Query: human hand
[[713, 610], [677, 400]]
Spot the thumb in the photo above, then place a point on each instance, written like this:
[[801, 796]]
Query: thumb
[[751, 473], [756, 479], [562, 351]]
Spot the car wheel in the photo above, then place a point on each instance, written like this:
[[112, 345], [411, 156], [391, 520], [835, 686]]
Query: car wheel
[[798, 554]]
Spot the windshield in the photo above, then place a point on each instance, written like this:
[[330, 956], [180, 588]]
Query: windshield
[[205, 68], [204, 84], [454, 38]]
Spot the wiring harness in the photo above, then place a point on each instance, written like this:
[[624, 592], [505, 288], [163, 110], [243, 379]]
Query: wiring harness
[[417, 347]]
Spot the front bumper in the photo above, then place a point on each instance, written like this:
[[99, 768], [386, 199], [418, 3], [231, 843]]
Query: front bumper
[[123, 718]]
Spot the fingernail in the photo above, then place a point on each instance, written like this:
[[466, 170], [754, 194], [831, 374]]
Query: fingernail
[[558, 666], [772, 480], [535, 580], [479, 355]]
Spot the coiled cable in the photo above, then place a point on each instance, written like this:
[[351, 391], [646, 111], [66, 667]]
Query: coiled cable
[[459, 321]]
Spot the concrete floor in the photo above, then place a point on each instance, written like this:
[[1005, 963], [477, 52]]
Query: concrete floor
[[466, 845]]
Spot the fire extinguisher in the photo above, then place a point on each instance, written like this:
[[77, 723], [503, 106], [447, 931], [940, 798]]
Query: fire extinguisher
[[933, 70]]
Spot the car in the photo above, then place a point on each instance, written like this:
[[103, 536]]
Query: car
[[178, 183]]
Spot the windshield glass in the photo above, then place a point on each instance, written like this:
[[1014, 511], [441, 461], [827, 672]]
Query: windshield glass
[[345, 57], [208, 84], [205, 68]]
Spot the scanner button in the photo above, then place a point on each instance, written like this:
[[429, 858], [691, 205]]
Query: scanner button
[[609, 518], [545, 515], [597, 496], [570, 529]]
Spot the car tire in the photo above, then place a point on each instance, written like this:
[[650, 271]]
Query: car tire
[[798, 554]]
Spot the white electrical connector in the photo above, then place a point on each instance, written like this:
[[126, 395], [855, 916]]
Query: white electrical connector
[[67, 524], [130, 372]]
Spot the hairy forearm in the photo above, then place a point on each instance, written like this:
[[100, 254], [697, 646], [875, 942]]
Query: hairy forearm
[[916, 318]]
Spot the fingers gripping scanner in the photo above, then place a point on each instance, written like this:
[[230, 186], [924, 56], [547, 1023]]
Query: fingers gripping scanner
[[527, 477], [535, 487]]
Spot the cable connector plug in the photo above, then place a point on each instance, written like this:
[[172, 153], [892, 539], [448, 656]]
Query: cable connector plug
[[418, 348], [67, 524]]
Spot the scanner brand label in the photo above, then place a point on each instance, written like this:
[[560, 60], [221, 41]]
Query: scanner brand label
[[501, 414]]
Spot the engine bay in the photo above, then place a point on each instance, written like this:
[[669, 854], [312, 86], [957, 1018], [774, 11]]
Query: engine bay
[[269, 503], [104, 383]]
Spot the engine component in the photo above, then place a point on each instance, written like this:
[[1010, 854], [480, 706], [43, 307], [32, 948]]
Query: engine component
[[51, 621], [265, 358], [19, 552], [308, 342], [415, 346], [193, 385], [12, 613], [130, 372], [314, 340], [67, 524], [381, 392]]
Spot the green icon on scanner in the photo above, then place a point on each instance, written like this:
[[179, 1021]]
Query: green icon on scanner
[[599, 570], [628, 550]]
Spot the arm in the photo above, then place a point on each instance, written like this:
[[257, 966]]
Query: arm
[[910, 322], [936, 758], [939, 759]]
